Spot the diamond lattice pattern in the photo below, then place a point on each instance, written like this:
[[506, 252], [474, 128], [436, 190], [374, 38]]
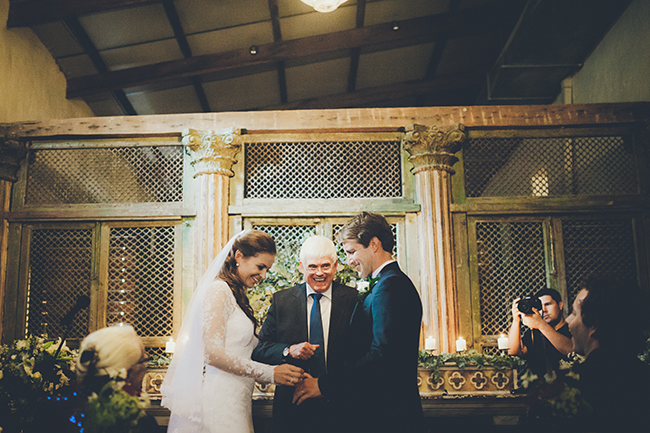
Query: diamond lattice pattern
[[548, 167], [288, 238], [510, 264], [309, 170], [59, 272], [151, 174], [605, 246], [141, 279]]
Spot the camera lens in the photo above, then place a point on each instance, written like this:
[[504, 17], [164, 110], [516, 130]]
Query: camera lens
[[527, 303]]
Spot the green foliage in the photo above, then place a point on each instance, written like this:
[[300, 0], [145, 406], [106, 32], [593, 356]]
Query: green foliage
[[113, 411], [470, 359], [645, 355], [29, 374], [159, 361], [555, 401]]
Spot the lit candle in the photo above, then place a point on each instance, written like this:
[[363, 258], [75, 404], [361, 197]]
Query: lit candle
[[503, 342], [170, 346], [430, 343], [461, 344]]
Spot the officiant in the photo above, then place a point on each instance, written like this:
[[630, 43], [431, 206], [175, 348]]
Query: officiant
[[307, 326]]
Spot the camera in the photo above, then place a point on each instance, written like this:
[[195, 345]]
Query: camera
[[527, 303]]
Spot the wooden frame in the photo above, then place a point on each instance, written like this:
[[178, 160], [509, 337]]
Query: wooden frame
[[98, 273]]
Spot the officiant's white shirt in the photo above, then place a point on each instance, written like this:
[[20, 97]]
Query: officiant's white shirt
[[325, 312]]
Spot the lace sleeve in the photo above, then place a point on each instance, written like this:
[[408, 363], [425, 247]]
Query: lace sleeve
[[218, 306]]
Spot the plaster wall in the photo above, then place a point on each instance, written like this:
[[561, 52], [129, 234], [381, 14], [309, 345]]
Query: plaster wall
[[32, 87], [618, 70]]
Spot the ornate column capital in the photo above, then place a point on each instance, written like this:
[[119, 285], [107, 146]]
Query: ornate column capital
[[213, 152], [12, 152], [432, 148]]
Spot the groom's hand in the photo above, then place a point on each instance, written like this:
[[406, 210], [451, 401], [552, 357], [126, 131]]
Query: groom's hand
[[303, 350], [308, 388]]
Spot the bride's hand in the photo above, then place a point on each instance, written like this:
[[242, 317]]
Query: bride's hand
[[287, 374]]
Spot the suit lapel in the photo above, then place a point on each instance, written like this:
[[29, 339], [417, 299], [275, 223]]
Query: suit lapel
[[337, 319], [301, 312]]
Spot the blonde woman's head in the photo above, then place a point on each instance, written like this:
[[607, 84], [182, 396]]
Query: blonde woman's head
[[109, 352]]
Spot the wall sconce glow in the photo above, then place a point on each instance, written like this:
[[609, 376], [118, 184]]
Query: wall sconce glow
[[324, 5]]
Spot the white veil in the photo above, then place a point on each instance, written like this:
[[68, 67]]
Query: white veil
[[183, 384]]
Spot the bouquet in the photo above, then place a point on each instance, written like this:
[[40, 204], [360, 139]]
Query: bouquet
[[555, 400], [29, 374]]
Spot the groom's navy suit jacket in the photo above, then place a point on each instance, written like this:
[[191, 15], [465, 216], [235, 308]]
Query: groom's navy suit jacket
[[286, 324], [380, 378]]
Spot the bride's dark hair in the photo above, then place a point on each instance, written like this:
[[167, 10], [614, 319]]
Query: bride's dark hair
[[249, 244]]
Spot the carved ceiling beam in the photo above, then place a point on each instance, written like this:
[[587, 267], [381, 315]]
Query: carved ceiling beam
[[413, 31]]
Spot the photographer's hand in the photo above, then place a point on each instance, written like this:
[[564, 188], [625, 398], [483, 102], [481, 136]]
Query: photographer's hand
[[533, 321], [514, 336], [516, 314]]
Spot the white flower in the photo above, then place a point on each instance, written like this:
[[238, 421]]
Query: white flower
[[362, 285], [21, 344], [527, 378], [550, 376]]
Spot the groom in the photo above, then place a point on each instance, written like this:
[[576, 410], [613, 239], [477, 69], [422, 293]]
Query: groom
[[379, 384]]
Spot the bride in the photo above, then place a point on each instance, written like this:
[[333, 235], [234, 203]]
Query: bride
[[218, 332]]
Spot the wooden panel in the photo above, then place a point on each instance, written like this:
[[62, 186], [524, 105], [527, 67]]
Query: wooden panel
[[533, 205], [318, 207], [10, 299], [463, 285], [347, 120]]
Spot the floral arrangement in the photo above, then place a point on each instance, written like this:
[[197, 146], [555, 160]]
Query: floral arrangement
[[111, 410], [555, 400], [29, 374], [469, 359], [159, 361]]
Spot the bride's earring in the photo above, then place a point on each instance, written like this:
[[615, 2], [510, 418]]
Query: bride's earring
[[237, 264]]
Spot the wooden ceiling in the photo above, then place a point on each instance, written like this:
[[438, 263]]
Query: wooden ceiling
[[164, 56]]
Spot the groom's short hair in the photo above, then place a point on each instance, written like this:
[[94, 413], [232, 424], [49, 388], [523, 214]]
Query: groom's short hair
[[317, 247], [365, 226]]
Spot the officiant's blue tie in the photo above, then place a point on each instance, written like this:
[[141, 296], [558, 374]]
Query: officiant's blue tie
[[317, 361]]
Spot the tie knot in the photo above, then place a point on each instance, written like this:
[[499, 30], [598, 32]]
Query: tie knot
[[317, 296]]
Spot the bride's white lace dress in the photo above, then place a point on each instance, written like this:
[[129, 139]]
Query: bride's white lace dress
[[230, 374]]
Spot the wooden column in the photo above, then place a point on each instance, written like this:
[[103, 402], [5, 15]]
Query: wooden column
[[432, 151], [213, 155], [12, 152]]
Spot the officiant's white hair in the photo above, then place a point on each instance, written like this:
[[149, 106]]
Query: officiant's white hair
[[317, 247]]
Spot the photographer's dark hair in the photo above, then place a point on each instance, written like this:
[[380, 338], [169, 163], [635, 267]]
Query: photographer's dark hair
[[619, 311], [549, 292], [249, 244], [365, 226]]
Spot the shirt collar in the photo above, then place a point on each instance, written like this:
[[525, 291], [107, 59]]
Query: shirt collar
[[327, 293], [382, 266]]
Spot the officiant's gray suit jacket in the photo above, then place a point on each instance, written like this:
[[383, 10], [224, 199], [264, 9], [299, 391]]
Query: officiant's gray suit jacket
[[286, 324]]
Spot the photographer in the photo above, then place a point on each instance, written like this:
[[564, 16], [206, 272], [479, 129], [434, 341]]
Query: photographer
[[547, 339]]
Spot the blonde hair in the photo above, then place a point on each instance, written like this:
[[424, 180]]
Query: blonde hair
[[108, 351]]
